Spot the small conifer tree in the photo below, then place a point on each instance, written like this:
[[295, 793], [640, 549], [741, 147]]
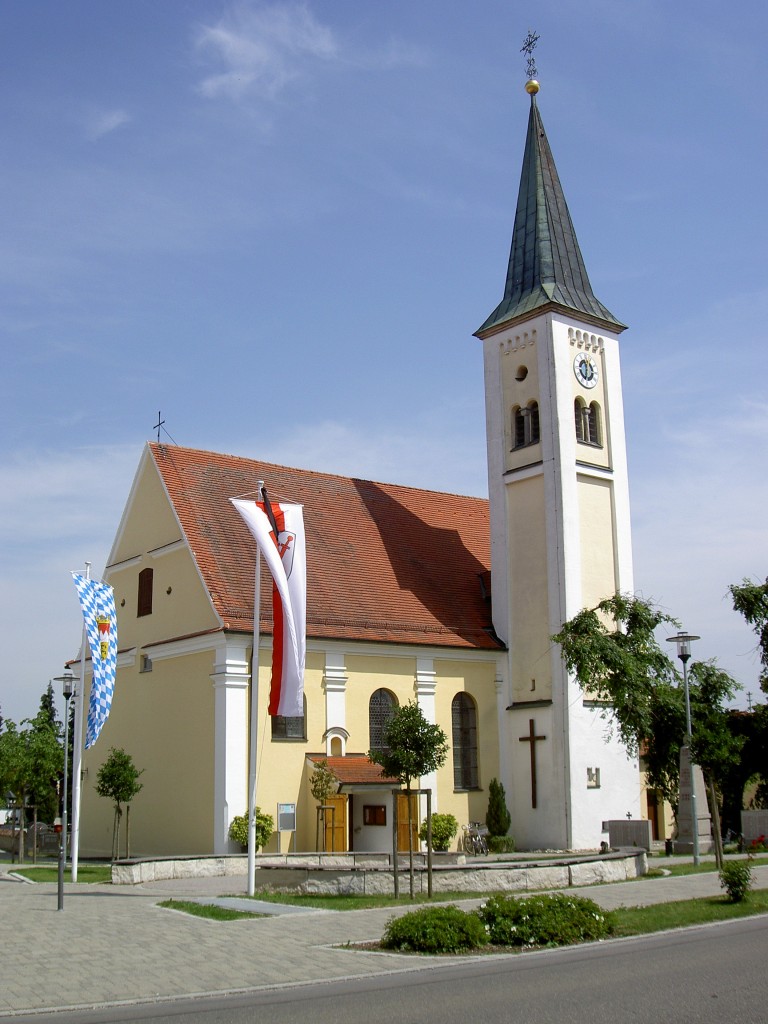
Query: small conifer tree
[[498, 818]]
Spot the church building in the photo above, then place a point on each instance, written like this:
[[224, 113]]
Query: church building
[[411, 595]]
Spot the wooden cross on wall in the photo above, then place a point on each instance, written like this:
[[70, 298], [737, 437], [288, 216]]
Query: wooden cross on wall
[[532, 738]]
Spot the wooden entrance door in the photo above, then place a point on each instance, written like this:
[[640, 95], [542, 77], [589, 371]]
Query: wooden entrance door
[[336, 824], [402, 822]]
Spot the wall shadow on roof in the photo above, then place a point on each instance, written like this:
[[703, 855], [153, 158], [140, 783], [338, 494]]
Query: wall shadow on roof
[[433, 561]]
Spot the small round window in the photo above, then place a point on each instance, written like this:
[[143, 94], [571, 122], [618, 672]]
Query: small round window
[[522, 373]]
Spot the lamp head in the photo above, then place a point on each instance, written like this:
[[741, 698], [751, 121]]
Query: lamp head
[[683, 640]]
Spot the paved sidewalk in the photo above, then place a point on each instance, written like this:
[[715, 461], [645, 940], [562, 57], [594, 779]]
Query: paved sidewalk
[[114, 944]]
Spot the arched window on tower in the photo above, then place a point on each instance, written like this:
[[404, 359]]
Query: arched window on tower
[[464, 736], [381, 708], [587, 419], [525, 425]]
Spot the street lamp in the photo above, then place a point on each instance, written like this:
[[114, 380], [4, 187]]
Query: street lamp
[[68, 688], [683, 642]]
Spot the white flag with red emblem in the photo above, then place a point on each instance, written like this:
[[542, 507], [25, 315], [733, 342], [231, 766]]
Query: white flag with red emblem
[[282, 543]]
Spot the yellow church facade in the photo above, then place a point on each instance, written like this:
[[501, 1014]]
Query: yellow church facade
[[181, 704]]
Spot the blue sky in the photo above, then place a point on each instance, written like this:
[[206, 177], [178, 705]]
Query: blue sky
[[281, 223]]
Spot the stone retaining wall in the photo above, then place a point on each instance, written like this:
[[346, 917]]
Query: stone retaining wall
[[335, 875]]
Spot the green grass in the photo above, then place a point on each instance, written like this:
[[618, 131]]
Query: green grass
[[297, 899], [655, 869], [686, 913], [207, 911], [88, 873]]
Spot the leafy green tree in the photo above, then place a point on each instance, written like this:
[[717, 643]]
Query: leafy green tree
[[751, 600], [118, 780], [412, 747], [444, 828], [265, 826], [497, 818], [613, 652], [322, 784], [31, 763]]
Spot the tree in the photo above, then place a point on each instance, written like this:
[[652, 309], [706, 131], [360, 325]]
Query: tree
[[31, 762], [497, 818], [322, 785], [412, 747], [118, 780], [48, 708], [613, 652], [751, 600]]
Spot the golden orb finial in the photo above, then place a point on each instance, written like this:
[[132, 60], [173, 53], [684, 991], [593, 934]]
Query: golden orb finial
[[532, 87]]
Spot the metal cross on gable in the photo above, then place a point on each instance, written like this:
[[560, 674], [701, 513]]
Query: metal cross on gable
[[160, 423], [533, 739]]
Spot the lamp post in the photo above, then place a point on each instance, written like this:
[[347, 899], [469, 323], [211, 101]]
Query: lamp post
[[68, 687], [683, 642]]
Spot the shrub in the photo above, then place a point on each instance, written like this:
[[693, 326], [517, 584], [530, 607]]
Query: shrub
[[435, 930], [497, 817], [546, 920], [501, 844], [444, 828], [265, 826], [736, 879]]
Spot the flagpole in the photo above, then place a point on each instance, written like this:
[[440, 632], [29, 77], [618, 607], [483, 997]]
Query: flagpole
[[254, 719], [77, 751]]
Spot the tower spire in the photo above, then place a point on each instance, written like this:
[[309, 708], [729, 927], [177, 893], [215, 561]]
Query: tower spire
[[546, 268]]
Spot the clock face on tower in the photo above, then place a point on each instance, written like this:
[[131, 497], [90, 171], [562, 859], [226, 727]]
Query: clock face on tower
[[585, 368]]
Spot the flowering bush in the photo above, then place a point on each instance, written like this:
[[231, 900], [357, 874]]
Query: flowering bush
[[435, 930], [547, 920], [736, 879]]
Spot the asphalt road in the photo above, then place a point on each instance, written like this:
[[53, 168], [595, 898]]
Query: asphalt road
[[707, 975]]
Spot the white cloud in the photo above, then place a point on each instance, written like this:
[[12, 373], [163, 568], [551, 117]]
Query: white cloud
[[261, 49], [57, 510], [698, 526], [101, 122], [432, 453]]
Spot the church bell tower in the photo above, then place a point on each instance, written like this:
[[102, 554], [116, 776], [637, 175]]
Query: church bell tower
[[559, 510]]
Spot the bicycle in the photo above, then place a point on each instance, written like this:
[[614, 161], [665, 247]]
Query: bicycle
[[473, 840]]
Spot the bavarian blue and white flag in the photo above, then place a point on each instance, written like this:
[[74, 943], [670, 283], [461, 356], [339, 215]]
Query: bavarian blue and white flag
[[97, 601]]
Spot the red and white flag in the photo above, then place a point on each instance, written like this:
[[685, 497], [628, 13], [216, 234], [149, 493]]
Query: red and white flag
[[285, 554]]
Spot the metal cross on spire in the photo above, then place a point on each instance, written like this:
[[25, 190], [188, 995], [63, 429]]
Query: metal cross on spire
[[529, 45]]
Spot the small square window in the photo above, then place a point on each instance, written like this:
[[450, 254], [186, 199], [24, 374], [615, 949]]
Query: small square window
[[374, 814]]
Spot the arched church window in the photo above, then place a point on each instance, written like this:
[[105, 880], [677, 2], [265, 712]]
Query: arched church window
[[381, 708], [290, 727], [464, 736], [525, 425]]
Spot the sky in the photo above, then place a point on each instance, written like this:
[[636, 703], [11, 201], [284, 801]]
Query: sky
[[279, 224]]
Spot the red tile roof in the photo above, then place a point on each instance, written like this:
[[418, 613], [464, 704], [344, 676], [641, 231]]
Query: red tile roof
[[384, 563], [355, 770]]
